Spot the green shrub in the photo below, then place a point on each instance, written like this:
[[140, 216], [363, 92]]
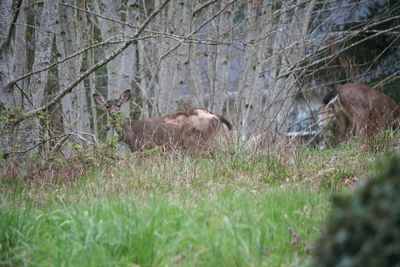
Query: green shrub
[[364, 228]]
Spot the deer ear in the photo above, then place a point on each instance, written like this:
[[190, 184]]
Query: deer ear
[[99, 100], [125, 96]]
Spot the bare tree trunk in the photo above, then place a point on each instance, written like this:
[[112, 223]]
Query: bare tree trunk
[[20, 44], [6, 55], [111, 32], [220, 74], [249, 101], [173, 68], [143, 85], [121, 69], [128, 65], [43, 48], [92, 85], [196, 82], [74, 104]]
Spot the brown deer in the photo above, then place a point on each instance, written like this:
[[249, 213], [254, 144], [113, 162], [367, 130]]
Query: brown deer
[[362, 110], [194, 129]]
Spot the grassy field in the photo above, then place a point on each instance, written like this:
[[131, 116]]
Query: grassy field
[[234, 209]]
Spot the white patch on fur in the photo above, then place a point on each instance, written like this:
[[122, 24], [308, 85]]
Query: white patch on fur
[[180, 120], [204, 120], [204, 114], [201, 120]]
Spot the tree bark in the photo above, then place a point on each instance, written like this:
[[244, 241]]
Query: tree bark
[[8, 98], [220, 77], [172, 69], [70, 40]]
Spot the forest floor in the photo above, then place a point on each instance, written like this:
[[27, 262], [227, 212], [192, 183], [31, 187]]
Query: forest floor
[[237, 208]]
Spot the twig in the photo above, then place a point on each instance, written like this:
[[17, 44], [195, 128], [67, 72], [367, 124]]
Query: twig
[[205, 5], [391, 77]]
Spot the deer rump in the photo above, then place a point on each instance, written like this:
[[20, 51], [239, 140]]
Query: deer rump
[[361, 110], [194, 129]]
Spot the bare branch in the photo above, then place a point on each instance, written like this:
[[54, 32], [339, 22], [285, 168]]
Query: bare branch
[[203, 6]]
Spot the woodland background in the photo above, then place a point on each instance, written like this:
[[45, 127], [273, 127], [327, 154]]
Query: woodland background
[[250, 60]]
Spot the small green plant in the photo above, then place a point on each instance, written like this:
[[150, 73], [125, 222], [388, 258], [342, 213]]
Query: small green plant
[[274, 169], [334, 180], [154, 150]]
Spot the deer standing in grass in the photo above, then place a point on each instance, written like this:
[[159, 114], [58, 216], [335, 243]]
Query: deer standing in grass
[[361, 109], [194, 129]]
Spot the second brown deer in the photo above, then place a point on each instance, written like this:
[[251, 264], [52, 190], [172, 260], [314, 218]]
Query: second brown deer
[[193, 130], [361, 109]]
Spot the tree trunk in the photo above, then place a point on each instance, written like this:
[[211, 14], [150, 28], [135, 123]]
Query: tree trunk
[[249, 100], [74, 104], [13, 64], [121, 69], [7, 72], [220, 73], [173, 68]]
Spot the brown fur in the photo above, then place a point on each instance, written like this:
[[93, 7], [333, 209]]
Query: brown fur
[[194, 129], [362, 110]]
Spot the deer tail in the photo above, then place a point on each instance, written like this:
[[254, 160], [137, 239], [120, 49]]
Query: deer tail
[[225, 121]]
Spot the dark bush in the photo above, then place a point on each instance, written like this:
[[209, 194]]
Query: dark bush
[[364, 229]]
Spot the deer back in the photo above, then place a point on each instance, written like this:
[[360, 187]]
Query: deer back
[[363, 103]]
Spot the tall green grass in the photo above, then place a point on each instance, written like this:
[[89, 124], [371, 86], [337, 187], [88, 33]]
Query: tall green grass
[[230, 229]]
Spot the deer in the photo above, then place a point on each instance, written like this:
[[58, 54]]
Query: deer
[[361, 110], [193, 130]]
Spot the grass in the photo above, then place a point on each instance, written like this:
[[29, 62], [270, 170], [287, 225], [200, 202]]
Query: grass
[[235, 209], [229, 229]]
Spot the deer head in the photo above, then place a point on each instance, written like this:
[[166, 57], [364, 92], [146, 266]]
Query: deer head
[[113, 106]]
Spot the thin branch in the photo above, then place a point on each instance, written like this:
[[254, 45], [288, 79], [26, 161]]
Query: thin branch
[[316, 62], [203, 6], [392, 77]]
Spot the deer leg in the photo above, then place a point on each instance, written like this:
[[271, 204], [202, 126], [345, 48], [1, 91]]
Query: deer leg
[[342, 127], [361, 127]]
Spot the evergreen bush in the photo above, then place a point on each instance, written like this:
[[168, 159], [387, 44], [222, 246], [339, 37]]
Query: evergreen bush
[[363, 229]]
